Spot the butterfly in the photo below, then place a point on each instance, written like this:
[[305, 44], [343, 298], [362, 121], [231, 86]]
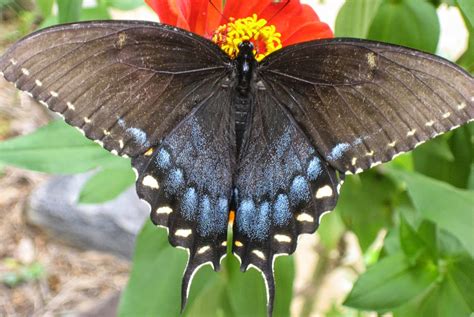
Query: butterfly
[[206, 134]]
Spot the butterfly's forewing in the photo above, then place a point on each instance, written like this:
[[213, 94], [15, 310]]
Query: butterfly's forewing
[[282, 188], [124, 84], [361, 102], [187, 180]]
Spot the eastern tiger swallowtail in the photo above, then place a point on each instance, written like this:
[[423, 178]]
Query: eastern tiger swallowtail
[[207, 134]]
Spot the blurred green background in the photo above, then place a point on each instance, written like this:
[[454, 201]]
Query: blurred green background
[[412, 218]]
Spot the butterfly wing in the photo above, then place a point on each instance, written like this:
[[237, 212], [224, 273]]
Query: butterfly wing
[[152, 92], [187, 180], [361, 102], [105, 77], [282, 186]]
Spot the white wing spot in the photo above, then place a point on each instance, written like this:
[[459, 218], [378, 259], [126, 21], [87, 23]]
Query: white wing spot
[[392, 144], [354, 161], [25, 71], [164, 210], [150, 181], [325, 191], [54, 94], [43, 103], [183, 233], [13, 61], [429, 123], [461, 106], [411, 132], [447, 115], [238, 243], [87, 120], [99, 142], [282, 238], [359, 170], [398, 154], [70, 106], [38, 83], [259, 254], [106, 132], [203, 249], [114, 152], [375, 164], [78, 129], [121, 144], [371, 153], [224, 243], [304, 217], [419, 143]]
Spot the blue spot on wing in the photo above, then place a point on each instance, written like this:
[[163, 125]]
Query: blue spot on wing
[[299, 190], [163, 159], [175, 181], [189, 203], [245, 214], [262, 223], [338, 151], [314, 169], [205, 216], [281, 213]]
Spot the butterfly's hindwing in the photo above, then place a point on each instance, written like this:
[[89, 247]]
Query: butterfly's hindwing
[[283, 186], [362, 102], [187, 180], [106, 77]]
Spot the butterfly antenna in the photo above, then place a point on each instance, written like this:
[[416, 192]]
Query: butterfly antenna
[[220, 13]]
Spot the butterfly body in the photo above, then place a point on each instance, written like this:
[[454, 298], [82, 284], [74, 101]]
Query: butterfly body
[[271, 140]]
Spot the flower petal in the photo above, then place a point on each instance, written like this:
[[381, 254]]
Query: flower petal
[[308, 32], [241, 9], [172, 12]]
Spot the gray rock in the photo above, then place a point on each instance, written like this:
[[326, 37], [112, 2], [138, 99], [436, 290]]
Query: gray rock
[[110, 227]]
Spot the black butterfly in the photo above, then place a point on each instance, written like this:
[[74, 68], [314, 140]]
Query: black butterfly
[[208, 134]]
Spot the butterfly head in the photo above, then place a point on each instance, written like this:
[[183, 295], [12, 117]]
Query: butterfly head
[[251, 30], [246, 48]]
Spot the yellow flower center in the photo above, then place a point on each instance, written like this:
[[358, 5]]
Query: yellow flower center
[[264, 37]]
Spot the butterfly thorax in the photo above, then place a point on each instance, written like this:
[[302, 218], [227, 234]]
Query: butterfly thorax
[[242, 101]]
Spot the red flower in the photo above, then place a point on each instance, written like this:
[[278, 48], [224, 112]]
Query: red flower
[[296, 22]]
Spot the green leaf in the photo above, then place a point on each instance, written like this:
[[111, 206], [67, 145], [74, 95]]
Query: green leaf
[[410, 242], [246, 291], [212, 300], [450, 208], [390, 283], [331, 230], [451, 295], [45, 7], [355, 17], [107, 184], [97, 13], [124, 4], [365, 205], [451, 166], [69, 10], [467, 8], [412, 23], [56, 148], [154, 288]]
